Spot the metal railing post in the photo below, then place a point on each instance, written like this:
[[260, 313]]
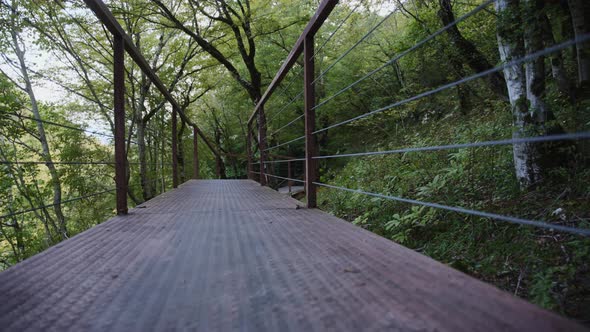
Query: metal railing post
[[310, 142], [119, 110], [262, 144], [195, 153], [289, 175], [174, 148], [249, 151]]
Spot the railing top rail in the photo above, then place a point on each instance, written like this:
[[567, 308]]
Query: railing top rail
[[107, 18], [312, 27]]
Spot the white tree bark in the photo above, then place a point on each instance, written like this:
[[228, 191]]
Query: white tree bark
[[510, 47]]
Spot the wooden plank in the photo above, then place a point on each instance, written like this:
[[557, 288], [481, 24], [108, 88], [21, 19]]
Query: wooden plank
[[219, 255]]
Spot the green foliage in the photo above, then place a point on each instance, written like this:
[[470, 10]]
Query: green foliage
[[547, 263]]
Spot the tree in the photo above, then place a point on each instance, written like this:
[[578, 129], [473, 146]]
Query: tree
[[467, 52], [208, 23], [12, 32], [580, 14]]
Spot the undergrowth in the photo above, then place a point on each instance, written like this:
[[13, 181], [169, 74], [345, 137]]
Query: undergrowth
[[546, 267]]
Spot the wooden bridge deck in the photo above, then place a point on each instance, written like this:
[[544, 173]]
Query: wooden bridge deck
[[231, 255]]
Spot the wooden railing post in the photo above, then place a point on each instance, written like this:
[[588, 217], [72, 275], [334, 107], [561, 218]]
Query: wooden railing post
[[174, 148], [310, 141], [195, 153], [249, 150], [119, 110]]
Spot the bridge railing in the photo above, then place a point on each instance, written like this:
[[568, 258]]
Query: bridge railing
[[261, 160], [122, 43], [121, 138]]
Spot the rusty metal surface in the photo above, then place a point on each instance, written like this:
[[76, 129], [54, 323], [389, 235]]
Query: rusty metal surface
[[218, 255]]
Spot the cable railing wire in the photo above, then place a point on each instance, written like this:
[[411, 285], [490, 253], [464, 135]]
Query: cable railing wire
[[409, 50], [291, 81], [538, 139], [287, 125], [61, 125], [532, 56], [299, 95], [367, 35], [7, 162], [27, 162], [288, 142], [514, 220], [283, 160], [8, 215], [279, 161], [336, 30], [280, 177]]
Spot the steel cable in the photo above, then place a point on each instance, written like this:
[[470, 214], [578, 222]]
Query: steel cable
[[288, 142], [280, 177], [55, 204], [336, 30], [404, 53], [550, 138], [367, 35], [300, 94], [60, 125], [287, 125], [514, 220], [527, 58]]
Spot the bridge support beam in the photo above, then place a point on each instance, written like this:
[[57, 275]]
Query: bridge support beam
[[310, 141], [174, 148], [195, 153], [119, 115]]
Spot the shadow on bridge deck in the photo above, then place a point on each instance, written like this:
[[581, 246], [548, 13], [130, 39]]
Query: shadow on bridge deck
[[231, 255]]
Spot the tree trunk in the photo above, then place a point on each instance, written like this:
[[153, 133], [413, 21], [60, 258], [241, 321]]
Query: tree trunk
[[219, 164], [535, 69], [471, 55], [262, 140], [556, 60], [46, 153], [510, 46], [180, 154], [146, 183], [580, 13]]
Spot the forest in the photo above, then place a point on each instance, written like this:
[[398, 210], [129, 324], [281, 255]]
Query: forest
[[406, 92]]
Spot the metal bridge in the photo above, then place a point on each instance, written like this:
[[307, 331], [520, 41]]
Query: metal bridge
[[237, 255], [233, 255]]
